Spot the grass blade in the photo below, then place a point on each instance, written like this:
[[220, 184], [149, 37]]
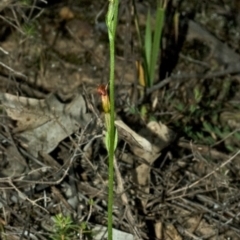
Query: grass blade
[[156, 42], [148, 46]]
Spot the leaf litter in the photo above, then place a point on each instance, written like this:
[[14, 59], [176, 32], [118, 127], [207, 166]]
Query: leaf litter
[[181, 189]]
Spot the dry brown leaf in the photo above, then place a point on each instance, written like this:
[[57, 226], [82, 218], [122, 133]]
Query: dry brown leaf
[[28, 112], [42, 124]]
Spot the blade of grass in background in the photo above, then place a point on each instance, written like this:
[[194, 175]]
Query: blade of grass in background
[[156, 43], [148, 47]]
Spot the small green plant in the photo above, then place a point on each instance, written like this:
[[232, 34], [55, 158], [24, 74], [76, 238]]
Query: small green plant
[[66, 229], [29, 29], [152, 44], [150, 49]]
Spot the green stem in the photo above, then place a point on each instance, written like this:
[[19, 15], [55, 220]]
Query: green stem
[[111, 20]]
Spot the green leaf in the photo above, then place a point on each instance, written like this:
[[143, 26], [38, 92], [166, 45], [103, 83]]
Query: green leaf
[[200, 135], [108, 140], [237, 135], [207, 127], [148, 45], [197, 95], [218, 132], [143, 111], [179, 107], [192, 108], [156, 41], [230, 148], [209, 140]]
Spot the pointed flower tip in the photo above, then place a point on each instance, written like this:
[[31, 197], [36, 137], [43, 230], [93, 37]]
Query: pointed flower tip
[[102, 91]]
